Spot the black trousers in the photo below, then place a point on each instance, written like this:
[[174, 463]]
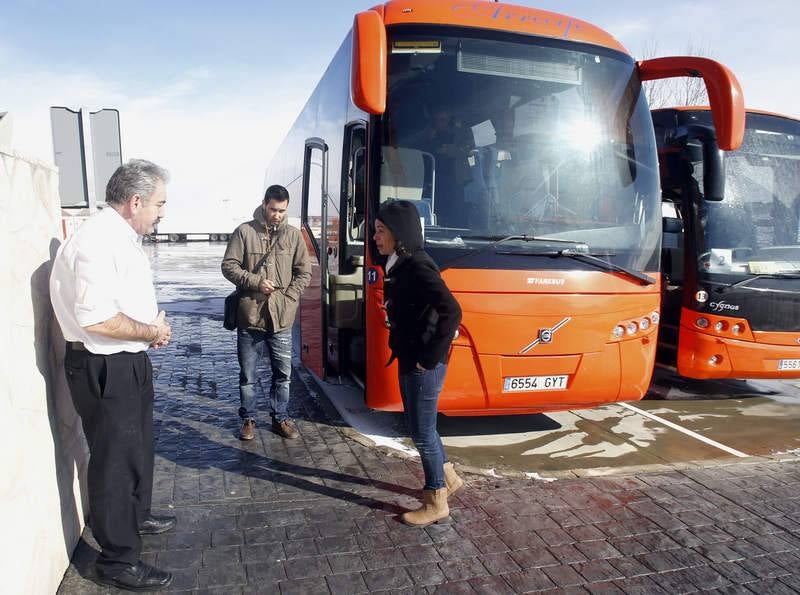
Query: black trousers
[[113, 394]]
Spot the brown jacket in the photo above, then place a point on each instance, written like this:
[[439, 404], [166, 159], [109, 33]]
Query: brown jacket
[[255, 253]]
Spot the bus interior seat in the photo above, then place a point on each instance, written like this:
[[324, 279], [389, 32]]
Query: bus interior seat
[[403, 178], [402, 174]]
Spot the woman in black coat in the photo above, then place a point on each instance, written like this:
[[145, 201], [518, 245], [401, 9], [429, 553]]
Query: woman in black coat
[[423, 318]]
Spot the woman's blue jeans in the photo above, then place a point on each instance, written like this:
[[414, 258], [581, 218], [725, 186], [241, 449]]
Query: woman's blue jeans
[[420, 391]]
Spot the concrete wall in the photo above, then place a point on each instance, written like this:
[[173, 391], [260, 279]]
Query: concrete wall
[[44, 455]]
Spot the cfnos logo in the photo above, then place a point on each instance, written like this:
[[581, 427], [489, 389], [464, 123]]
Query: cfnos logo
[[723, 306]]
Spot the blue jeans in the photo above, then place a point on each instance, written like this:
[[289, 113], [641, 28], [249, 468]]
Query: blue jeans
[[420, 391], [250, 346]]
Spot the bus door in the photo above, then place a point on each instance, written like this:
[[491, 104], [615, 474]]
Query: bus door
[[313, 302], [346, 297], [672, 266]]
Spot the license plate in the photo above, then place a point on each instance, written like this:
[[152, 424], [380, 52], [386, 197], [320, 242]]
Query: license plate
[[789, 364], [515, 384]]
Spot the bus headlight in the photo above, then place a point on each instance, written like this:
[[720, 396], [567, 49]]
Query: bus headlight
[[738, 328], [702, 322], [721, 326], [618, 331], [655, 317], [631, 328], [644, 324]]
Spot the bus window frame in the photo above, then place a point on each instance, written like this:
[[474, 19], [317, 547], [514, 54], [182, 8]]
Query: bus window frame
[[351, 129]]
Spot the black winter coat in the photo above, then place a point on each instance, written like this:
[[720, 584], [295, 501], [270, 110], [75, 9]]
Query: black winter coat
[[423, 315]]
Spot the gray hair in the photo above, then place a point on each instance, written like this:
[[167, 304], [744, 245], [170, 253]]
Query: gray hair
[[137, 176]]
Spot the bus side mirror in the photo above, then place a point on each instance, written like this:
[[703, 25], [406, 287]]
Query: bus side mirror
[[724, 92], [713, 170], [713, 157], [368, 70]]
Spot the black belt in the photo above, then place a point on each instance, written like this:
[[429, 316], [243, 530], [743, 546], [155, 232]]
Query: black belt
[[77, 346]]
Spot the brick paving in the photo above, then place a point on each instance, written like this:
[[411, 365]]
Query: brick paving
[[318, 514]]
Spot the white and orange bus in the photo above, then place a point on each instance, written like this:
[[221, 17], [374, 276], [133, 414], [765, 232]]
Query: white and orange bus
[[731, 249], [525, 140]]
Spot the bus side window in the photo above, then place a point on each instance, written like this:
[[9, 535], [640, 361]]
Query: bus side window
[[356, 183]]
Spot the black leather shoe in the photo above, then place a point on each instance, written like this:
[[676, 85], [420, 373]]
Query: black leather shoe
[[139, 577], [153, 525]]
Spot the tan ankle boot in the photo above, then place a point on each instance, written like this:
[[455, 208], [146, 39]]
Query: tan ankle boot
[[434, 508], [452, 480]]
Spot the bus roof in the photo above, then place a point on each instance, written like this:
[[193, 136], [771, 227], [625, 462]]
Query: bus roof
[[490, 15], [705, 108]]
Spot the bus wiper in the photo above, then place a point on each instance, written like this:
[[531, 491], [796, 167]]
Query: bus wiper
[[778, 275], [497, 240], [606, 265]]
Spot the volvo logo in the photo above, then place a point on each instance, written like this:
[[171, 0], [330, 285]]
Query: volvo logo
[[545, 336]]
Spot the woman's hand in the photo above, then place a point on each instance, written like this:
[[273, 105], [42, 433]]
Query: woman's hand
[[419, 367]]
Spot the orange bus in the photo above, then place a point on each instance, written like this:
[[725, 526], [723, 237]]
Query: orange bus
[[731, 247], [525, 140]]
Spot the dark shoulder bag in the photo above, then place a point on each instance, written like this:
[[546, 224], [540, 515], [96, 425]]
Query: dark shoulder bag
[[231, 310]]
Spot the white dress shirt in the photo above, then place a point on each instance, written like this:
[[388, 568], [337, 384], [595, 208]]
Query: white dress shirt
[[99, 271]]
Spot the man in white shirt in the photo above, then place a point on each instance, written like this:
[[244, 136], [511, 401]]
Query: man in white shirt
[[102, 292]]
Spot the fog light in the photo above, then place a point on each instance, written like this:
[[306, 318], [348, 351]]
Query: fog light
[[618, 331], [702, 322], [655, 317], [738, 328], [715, 360], [644, 324], [701, 296], [631, 327], [721, 326]]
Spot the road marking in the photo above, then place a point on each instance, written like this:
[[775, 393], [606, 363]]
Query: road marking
[[694, 435]]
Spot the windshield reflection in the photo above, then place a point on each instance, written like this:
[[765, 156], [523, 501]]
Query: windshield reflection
[[494, 139], [756, 229]]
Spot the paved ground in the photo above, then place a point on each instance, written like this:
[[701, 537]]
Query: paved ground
[[318, 514]]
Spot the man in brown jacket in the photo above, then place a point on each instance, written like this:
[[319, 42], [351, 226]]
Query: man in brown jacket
[[267, 260]]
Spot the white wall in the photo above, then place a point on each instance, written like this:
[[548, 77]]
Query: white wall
[[44, 456]]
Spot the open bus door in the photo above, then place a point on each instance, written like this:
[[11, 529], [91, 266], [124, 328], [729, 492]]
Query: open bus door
[[313, 218]]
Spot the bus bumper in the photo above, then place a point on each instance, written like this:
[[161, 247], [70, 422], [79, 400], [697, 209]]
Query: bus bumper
[[705, 356]]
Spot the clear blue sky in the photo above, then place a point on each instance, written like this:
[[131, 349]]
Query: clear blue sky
[[208, 89]]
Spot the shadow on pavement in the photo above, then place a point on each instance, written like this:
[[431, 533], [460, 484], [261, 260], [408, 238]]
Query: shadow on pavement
[[495, 424], [253, 465], [667, 385]]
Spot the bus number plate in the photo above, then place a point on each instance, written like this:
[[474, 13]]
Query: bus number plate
[[789, 364], [514, 384]]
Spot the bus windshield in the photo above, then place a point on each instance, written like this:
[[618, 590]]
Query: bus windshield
[[755, 230], [494, 138]]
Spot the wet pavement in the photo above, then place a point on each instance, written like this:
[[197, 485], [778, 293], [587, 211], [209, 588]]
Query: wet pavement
[[318, 514]]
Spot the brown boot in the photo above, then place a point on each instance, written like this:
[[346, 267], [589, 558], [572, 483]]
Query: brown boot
[[248, 431], [434, 509], [451, 478]]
